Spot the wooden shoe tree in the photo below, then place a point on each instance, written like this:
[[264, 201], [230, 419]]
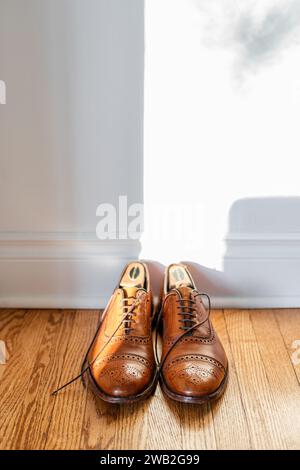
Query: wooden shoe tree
[[134, 276], [178, 276]]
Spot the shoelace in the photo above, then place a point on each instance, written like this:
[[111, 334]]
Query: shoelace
[[187, 307], [187, 329], [123, 321], [128, 314]]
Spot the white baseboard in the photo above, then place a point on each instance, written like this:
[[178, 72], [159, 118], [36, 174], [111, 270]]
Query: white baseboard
[[232, 302], [92, 303], [262, 270], [259, 271], [271, 246], [55, 302], [51, 270]]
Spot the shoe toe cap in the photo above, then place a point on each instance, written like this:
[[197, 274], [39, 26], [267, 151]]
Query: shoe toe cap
[[122, 379], [192, 379]]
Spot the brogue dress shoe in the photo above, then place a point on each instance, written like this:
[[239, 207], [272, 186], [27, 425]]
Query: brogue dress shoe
[[194, 365], [120, 363]]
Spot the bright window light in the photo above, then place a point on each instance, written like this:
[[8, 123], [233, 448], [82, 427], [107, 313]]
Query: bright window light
[[222, 113]]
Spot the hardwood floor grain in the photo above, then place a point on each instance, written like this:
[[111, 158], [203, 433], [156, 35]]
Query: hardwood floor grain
[[163, 423], [283, 384], [99, 424], [253, 371], [229, 415], [289, 325], [38, 404], [259, 410], [11, 322], [15, 382], [66, 424]]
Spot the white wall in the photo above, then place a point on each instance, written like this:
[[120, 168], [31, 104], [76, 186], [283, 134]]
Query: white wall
[[221, 145], [222, 96], [71, 137]]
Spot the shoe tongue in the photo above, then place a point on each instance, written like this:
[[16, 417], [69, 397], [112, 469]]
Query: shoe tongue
[[132, 291], [184, 291]]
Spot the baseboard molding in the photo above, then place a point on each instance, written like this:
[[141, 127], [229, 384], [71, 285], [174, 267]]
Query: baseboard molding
[[271, 246], [55, 246], [92, 303], [54, 302], [51, 270], [262, 270], [258, 271], [67, 270], [253, 302]]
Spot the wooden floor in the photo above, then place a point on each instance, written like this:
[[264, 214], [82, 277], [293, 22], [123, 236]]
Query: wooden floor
[[260, 409]]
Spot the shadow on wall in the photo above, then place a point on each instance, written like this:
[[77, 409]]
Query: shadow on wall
[[262, 257]]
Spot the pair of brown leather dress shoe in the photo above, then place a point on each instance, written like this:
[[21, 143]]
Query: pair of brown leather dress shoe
[[121, 365]]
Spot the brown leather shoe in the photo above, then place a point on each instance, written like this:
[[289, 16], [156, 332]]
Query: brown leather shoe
[[120, 363], [194, 366]]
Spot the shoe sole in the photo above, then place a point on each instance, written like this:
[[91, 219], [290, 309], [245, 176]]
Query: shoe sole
[[195, 400]]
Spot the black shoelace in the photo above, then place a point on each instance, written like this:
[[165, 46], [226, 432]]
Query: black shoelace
[[187, 309], [128, 312]]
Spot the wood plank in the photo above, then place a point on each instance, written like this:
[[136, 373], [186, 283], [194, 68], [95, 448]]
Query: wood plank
[[197, 427], [289, 324], [99, 424], [37, 406], [229, 416], [260, 404], [131, 426], [11, 323], [163, 423], [283, 383], [16, 380], [66, 425]]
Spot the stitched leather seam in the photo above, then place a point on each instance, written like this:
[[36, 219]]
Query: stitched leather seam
[[193, 339], [131, 339], [116, 357], [189, 357]]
